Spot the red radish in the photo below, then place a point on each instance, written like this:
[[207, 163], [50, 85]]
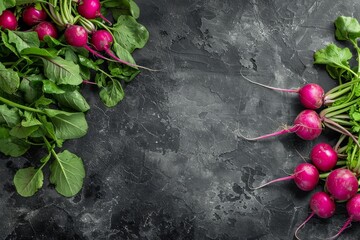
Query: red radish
[[102, 40], [32, 15], [323, 156], [321, 205], [90, 9], [77, 36], [8, 20], [342, 184], [307, 125], [305, 176], [311, 95], [353, 209], [46, 29]]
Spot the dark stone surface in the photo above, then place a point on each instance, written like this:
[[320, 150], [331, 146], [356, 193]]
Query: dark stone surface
[[168, 163]]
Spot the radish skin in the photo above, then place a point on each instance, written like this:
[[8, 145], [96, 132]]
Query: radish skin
[[323, 156], [342, 184]]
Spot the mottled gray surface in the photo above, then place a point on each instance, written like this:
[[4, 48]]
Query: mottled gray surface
[[168, 163]]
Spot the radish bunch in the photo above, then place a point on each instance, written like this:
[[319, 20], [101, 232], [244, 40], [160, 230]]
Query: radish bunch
[[337, 167]]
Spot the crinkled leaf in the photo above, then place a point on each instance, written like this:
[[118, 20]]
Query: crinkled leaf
[[28, 181], [23, 40], [112, 93], [9, 116], [333, 56], [347, 28], [67, 125], [9, 80], [74, 100], [67, 173], [62, 71], [10, 145], [129, 33]]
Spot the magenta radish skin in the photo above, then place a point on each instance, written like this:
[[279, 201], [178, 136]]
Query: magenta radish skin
[[32, 16], [311, 96], [305, 176], [76, 36], [342, 184], [8, 20], [323, 156], [46, 29], [102, 40], [309, 124], [322, 205], [90, 9]]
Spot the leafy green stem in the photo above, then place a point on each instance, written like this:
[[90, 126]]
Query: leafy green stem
[[20, 106]]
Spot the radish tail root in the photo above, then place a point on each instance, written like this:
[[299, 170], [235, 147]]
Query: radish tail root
[[274, 181], [269, 87], [283, 131], [347, 223], [302, 225], [112, 55]]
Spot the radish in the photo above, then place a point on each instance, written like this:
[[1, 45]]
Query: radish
[[322, 205], [305, 176], [311, 95], [90, 9], [323, 156], [77, 36], [102, 40], [8, 20], [342, 184], [307, 125], [46, 29], [32, 15], [353, 209]]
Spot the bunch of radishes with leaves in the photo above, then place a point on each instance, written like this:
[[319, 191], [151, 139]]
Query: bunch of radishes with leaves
[[337, 167], [48, 50]]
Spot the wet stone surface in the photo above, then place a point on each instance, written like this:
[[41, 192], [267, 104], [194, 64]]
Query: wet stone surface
[[168, 163]]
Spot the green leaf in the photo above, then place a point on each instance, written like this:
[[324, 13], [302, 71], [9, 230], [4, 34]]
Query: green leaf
[[129, 33], [347, 28], [10, 145], [22, 132], [50, 53], [73, 100], [86, 62], [9, 116], [30, 120], [123, 54], [333, 56], [67, 173], [62, 71], [67, 125], [51, 88], [43, 102], [24, 40], [9, 80], [122, 7], [5, 40], [28, 181], [4, 4], [112, 94]]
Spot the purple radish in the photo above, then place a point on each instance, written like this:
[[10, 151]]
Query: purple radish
[[322, 205], [342, 184], [311, 95], [305, 176], [353, 209], [46, 29], [77, 36], [8, 20], [307, 125], [32, 16], [90, 9], [323, 156], [102, 40]]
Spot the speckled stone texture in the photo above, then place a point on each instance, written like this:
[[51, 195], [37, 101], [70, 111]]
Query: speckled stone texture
[[168, 162]]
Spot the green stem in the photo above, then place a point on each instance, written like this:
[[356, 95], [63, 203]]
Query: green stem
[[340, 163], [358, 53], [334, 95], [17, 105], [342, 122], [324, 175], [325, 112]]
